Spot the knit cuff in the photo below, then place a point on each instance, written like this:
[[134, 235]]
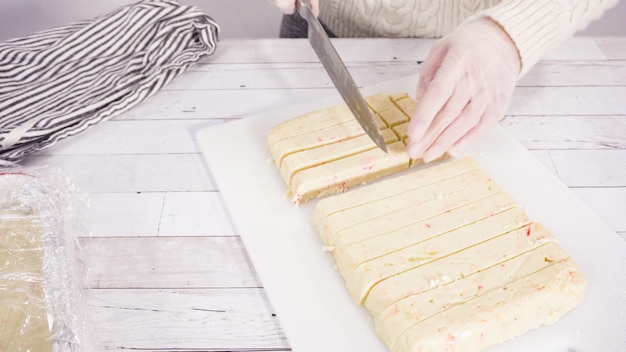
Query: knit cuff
[[532, 26]]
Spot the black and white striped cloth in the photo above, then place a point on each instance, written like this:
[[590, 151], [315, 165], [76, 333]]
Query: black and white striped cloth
[[59, 82]]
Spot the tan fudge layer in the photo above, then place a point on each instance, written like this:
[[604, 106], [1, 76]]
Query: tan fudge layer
[[23, 318], [445, 261], [326, 151]]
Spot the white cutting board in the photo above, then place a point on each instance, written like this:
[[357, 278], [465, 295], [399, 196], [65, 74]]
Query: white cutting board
[[309, 296]]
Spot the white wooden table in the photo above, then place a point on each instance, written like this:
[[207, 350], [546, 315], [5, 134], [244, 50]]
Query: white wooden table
[[167, 269]]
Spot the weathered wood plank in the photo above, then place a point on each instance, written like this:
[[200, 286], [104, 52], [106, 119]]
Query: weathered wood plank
[[299, 50], [568, 132], [285, 75], [172, 136], [191, 319], [220, 104], [313, 75], [568, 101], [576, 48], [579, 73], [613, 47], [591, 168], [369, 49], [167, 262], [195, 214], [132, 172], [138, 214], [129, 214], [225, 104]]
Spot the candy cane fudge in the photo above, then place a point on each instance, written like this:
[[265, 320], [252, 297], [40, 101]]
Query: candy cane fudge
[[326, 151], [444, 260]]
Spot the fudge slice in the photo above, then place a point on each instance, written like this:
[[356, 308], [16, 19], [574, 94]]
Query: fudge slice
[[444, 260], [376, 218], [352, 255], [424, 251], [326, 152], [339, 175], [325, 209], [500, 314], [309, 158]]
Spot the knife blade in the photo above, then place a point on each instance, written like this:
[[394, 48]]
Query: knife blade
[[339, 74]]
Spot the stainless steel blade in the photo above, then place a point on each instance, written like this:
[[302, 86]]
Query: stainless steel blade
[[339, 74]]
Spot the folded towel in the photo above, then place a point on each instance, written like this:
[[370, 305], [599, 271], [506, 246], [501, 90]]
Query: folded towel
[[57, 83]]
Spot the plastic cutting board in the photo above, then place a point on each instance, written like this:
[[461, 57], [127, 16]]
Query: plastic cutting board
[[310, 298]]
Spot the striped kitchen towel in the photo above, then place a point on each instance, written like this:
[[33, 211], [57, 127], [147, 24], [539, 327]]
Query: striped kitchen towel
[[59, 82]]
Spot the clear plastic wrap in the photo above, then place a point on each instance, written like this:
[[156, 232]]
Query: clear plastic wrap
[[42, 304]]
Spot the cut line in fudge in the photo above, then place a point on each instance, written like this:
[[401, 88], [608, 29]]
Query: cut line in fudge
[[368, 274], [436, 192], [380, 225], [320, 119], [380, 102], [406, 105], [331, 126], [505, 255], [350, 256], [314, 120], [475, 258], [393, 117], [308, 158], [495, 316], [315, 139], [428, 304], [401, 130], [457, 266], [337, 176], [391, 187]]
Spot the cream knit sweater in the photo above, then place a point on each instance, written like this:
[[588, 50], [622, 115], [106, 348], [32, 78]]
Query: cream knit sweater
[[534, 25]]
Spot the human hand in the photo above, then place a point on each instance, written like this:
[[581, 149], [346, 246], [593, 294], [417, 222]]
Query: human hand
[[289, 6], [465, 87]]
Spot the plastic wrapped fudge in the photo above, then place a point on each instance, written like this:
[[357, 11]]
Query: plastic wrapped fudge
[[41, 297]]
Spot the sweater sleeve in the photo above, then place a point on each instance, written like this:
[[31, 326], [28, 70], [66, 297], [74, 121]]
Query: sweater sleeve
[[537, 26]]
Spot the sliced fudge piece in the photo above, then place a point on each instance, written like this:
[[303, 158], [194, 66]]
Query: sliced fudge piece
[[304, 148]]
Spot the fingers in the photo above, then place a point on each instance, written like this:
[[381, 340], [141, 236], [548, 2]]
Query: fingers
[[470, 117], [430, 67], [437, 94], [464, 88], [450, 112], [488, 120]]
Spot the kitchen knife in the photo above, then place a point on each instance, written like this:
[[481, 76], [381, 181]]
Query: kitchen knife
[[339, 74]]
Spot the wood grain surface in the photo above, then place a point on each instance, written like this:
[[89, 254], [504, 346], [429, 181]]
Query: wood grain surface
[[167, 270]]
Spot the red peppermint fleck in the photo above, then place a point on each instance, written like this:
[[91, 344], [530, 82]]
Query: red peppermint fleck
[[15, 173], [529, 231]]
